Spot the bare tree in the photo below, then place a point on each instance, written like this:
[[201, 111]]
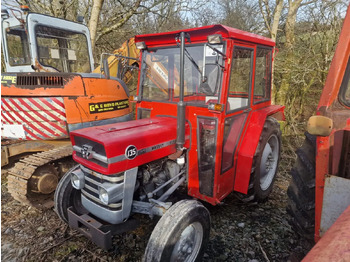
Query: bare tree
[[293, 7], [302, 65], [58, 8], [94, 18], [241, 14], [271, 16]]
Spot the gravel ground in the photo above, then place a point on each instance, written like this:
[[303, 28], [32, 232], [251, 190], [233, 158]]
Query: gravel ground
[[239, 232]]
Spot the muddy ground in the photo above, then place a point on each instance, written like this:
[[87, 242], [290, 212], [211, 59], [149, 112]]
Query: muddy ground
[[239, 232]]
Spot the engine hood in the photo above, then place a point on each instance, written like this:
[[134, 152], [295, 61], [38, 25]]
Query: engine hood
[[114, 148]]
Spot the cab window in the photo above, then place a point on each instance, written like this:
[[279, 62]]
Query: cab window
[[262, 82], [344, 94], [17, 46], [62, 50], [240, 79]]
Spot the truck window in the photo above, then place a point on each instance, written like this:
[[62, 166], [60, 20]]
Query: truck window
[[63, 50], [17, 47], [344, 94], [262, 82], [240, 79]]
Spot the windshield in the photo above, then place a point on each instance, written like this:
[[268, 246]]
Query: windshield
[[62, 50], [161, 74], [17, 47]]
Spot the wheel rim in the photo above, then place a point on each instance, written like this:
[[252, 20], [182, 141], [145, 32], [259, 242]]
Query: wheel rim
[[188, 245], [269, 160]]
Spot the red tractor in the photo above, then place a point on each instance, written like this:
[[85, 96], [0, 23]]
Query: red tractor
[[205, 127], [320, 188]]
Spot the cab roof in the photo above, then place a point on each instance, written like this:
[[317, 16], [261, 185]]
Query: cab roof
[[200, 34]]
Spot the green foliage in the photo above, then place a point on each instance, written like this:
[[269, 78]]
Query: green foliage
[[304, 68]]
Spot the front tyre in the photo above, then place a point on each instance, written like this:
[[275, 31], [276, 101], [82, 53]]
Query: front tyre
[[181, 234], [67, 196]]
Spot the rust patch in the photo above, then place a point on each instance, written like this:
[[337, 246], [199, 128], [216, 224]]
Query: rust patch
[[338, 114]]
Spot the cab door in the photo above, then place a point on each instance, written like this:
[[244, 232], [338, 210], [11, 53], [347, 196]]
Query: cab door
[[237, 113]]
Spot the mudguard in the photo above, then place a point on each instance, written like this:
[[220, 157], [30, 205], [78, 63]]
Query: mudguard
[[250, 143]]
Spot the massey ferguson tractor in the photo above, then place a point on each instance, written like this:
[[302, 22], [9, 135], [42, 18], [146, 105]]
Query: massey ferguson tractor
[[320, 188], [205, 127], [47, 91]]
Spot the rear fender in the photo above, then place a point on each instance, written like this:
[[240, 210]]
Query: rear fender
[[250, 143]]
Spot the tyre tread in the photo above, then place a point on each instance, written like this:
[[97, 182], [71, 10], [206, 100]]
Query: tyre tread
[[301, 191], [165, 226]]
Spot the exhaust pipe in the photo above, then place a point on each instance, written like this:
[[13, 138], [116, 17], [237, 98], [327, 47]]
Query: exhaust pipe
[[181, 106]]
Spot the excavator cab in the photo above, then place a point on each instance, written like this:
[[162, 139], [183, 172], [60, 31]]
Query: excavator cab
[[39, 43]]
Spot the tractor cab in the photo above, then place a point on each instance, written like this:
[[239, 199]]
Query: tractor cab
[[35, 42], [226, 95]]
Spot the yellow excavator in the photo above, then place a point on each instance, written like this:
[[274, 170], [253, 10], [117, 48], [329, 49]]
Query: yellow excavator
[[122, 62]]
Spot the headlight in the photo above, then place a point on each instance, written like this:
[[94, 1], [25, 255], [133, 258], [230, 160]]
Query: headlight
[[110, 193], [141, 45], [214, 39], [77, 179], [103, 195]]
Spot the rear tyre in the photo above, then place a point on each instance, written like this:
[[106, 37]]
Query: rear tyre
[[181, 234], [301, 190], [67, 196], [265, 163]]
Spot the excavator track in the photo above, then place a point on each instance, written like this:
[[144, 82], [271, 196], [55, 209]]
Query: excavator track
[[19, 177]]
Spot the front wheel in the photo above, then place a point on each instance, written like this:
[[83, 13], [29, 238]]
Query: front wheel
[[67, 196], [181, 234]]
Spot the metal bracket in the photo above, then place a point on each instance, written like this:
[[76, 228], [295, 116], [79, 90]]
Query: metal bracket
[[97, 231], [91, 228]]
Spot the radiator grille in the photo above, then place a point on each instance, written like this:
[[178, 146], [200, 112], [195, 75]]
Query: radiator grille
[[40, 80], [92, 182]]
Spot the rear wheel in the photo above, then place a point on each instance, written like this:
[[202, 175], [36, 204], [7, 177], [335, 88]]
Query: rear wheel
[[67, 196], [265, 163], [181, 234], [301, 191]]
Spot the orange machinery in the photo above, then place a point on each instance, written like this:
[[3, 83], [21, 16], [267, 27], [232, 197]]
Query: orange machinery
[[319, 193], [48, 90]]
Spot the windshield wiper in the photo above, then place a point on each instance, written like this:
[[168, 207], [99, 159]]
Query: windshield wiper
[[187, 36], [193, 62]]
